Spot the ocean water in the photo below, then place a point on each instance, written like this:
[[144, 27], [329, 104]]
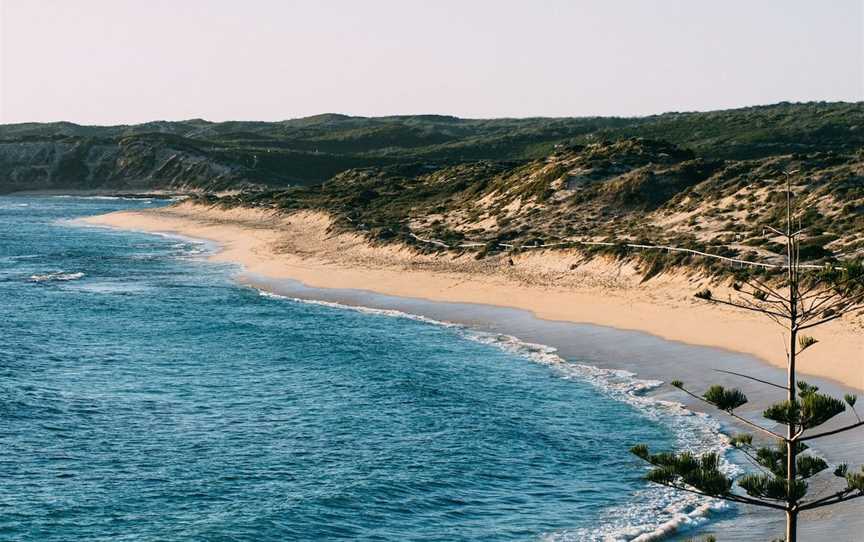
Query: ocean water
[[147, 396]]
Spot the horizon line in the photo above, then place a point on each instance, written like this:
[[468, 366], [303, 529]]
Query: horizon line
[[443, 115]]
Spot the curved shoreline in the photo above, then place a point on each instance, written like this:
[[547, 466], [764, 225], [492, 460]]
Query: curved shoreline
[[649, 356], [678, 512], [555, 286]]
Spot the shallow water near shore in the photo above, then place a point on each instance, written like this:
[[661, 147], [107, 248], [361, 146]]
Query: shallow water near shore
[[152, 397], [649, 359]]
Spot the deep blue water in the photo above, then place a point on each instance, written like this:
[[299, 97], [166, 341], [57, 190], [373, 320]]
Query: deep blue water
[[146, 396]]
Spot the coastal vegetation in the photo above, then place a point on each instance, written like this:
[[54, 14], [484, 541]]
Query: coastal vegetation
[[201, 155], [626, 199], [697, 181]]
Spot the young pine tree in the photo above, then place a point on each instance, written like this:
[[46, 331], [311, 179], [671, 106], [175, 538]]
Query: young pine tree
[[806, 299]]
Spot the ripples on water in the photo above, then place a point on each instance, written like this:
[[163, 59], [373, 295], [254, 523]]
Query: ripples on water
[[147, 397]]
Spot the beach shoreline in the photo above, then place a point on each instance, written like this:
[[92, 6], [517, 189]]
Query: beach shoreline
[[272, 260], [553, 285]]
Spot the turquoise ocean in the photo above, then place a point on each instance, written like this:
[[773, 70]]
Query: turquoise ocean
[[146, 395]]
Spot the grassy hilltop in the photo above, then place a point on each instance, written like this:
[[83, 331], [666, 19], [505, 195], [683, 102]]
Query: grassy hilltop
[[197, 154]]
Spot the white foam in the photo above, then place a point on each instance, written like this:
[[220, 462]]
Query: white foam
[[58, 276], [366, 310], [661, 511], [109, 198], [194, 246]]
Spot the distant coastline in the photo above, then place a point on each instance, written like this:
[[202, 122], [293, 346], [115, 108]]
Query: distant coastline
[[554, 285], [96, 192]]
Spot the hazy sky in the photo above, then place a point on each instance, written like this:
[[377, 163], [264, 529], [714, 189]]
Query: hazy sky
[[123, 61]]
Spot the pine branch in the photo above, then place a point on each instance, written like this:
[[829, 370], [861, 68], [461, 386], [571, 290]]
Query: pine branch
[[777, 321], [845, 303], [840, 287], [776, 298], [765, 292], [840, 496], [823, 295], [783, 306], [775, 230], [737, 417], [819, 301], [816, 307], [832, 432], [759, 285], [755, 461], [848, 303], [730, 497], [750, 308], [752, 378], [746, 303], [820, 322]]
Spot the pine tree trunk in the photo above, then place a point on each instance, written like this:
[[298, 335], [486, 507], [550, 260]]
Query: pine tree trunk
[[791, 526], [791, 449]]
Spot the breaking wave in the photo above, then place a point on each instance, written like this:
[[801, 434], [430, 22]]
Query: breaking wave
[[59, 276]]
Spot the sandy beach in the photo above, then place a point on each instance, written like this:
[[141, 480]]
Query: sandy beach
[[588, 310], [554, 285]]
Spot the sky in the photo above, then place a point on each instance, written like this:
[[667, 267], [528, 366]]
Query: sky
[[130, 61]]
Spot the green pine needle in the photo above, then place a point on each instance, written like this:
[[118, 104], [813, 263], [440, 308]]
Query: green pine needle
[[724, 399]]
